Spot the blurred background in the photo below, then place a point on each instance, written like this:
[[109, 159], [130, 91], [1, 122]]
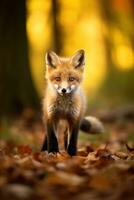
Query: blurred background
[[29, 27]]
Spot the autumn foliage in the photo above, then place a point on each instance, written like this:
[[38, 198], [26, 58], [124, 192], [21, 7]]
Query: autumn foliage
[[95, 173]]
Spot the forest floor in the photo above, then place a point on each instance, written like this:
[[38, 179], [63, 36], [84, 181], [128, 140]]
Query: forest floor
[[102, 169]]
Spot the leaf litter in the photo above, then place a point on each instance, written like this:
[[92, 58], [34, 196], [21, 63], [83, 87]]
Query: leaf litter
[[102, 171]]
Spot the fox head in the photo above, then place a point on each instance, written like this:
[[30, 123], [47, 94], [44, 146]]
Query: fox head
[[65, 74]]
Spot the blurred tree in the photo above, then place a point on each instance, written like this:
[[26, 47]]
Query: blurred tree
[[57, 31], [118, 87], [16, 86]]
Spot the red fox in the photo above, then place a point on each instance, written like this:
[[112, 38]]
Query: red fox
[[64, 102]]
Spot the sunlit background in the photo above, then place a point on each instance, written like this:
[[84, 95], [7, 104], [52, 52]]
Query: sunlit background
[[103, 28]]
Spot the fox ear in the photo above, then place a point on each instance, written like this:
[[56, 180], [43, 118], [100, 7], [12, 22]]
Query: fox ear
[[52, 59], [78, 59]]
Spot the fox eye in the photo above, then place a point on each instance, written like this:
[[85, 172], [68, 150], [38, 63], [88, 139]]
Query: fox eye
[[71, 78], [58, 78]]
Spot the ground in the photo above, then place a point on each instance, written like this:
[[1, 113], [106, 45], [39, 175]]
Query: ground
[[102, 169]]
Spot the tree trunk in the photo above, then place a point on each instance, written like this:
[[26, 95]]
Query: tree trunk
[[57, 32], [16, 86]]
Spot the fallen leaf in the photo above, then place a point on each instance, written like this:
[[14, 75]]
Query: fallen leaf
[[131, 149], [24, 149], [121, 155], [17, 191]]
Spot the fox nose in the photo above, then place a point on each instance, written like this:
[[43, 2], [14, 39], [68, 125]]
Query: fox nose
[[64, 90]]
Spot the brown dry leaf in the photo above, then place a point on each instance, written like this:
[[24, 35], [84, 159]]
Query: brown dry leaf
[[82, 152], [62, 156], [89, 149], [36, 156], [100, 153], [17, 191], [24, 149], [130, 149], [25, 162], [3, 180], [6, 162], [36, 163], [63, 178], [100, 182], [2, 154], [103, 153], [100, 158], [121, 155], [92, 157]]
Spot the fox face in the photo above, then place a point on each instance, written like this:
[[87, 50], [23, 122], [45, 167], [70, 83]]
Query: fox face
[[64, 75]]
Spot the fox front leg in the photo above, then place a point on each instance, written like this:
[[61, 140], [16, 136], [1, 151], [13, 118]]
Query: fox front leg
[[72, 146], [51, 142], [44, 146]]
